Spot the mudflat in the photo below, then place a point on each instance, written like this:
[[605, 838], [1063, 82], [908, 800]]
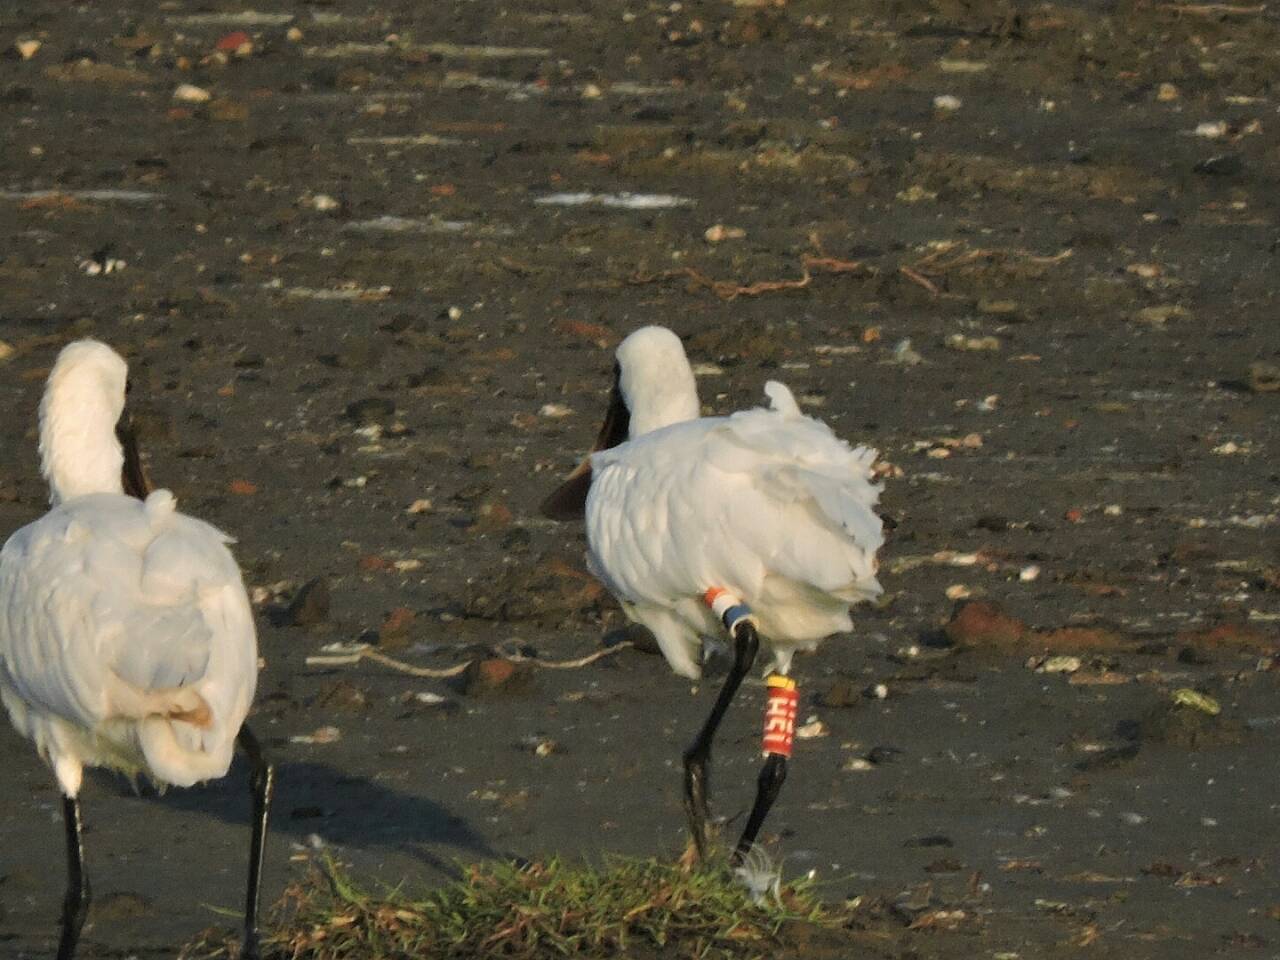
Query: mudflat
[[368, 263]]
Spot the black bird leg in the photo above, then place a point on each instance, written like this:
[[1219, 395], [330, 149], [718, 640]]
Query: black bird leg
[[75, 905], [262, 777], [746, 644], [772, 775], [779, 731]]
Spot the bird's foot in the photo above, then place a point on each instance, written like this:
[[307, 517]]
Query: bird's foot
[[695, 799]]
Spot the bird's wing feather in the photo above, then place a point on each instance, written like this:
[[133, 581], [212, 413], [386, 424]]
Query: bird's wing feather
[[103, 590], [731, 501]]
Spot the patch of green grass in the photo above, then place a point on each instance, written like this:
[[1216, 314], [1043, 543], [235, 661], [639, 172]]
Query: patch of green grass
[[539, 911]]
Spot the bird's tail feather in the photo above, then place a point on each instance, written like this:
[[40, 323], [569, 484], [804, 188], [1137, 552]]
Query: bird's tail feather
[[847, 503]]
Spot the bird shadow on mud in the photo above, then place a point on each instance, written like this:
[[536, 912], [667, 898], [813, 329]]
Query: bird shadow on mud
[[316, 799]]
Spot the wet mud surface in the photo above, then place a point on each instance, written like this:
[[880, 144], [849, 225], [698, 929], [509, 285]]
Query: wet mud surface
[[369, 313]]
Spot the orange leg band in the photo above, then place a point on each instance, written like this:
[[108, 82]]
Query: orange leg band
[[780, 715]]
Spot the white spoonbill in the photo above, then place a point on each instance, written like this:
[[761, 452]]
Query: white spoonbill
[[126, 637], [762, 521]]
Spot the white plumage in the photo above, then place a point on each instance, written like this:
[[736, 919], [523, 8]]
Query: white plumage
[[126, 637], [762, 522], [126, 640], [767, 504]]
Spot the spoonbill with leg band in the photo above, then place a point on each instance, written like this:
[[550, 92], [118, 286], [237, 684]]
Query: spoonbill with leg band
[[761, 524]]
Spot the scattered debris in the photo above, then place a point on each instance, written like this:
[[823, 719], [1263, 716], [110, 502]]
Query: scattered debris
[[492, 675], [811, 729], [310, 604], [1264, 377], [625, 201], [720, 233], [958, 341], [102, 263], [724, 289], [1186, 697], [904, 354], [190, 93], [322, 735], [1057, 664], [365, 652]]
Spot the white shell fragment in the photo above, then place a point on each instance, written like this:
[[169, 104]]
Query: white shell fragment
[[190, 93], [321, 735]]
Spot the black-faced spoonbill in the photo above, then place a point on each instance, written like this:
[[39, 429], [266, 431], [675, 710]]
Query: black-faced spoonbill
[[126, 637], [762, 522]]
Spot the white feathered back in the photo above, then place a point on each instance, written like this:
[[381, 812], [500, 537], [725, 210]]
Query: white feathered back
[[768, 504], [117, 618], [126, 636]]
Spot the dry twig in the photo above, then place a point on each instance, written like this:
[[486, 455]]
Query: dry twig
[[368, 653], [919, 279], [832, 264], [1213, 9], [727, 290]]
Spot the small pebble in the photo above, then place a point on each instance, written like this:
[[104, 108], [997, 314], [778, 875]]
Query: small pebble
[[555, 410], [321, 735], [1059, 665], [811, 729], [370, 410], [455, 313], [1264, 377], [95, 267], [998, 306], [310, 605], [237, 42], [958, 341], [958, 591], [1212, 130], [719, 233], [1186, 697], [1029, 573], [492, 676], [190, 93], [905, 354], [27, 48], [946, 102]]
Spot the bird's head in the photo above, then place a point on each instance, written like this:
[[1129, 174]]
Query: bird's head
[[653, 387], [87, 443]]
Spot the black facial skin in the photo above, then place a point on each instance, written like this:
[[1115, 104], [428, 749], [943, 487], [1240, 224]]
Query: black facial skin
[[569, 500]]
